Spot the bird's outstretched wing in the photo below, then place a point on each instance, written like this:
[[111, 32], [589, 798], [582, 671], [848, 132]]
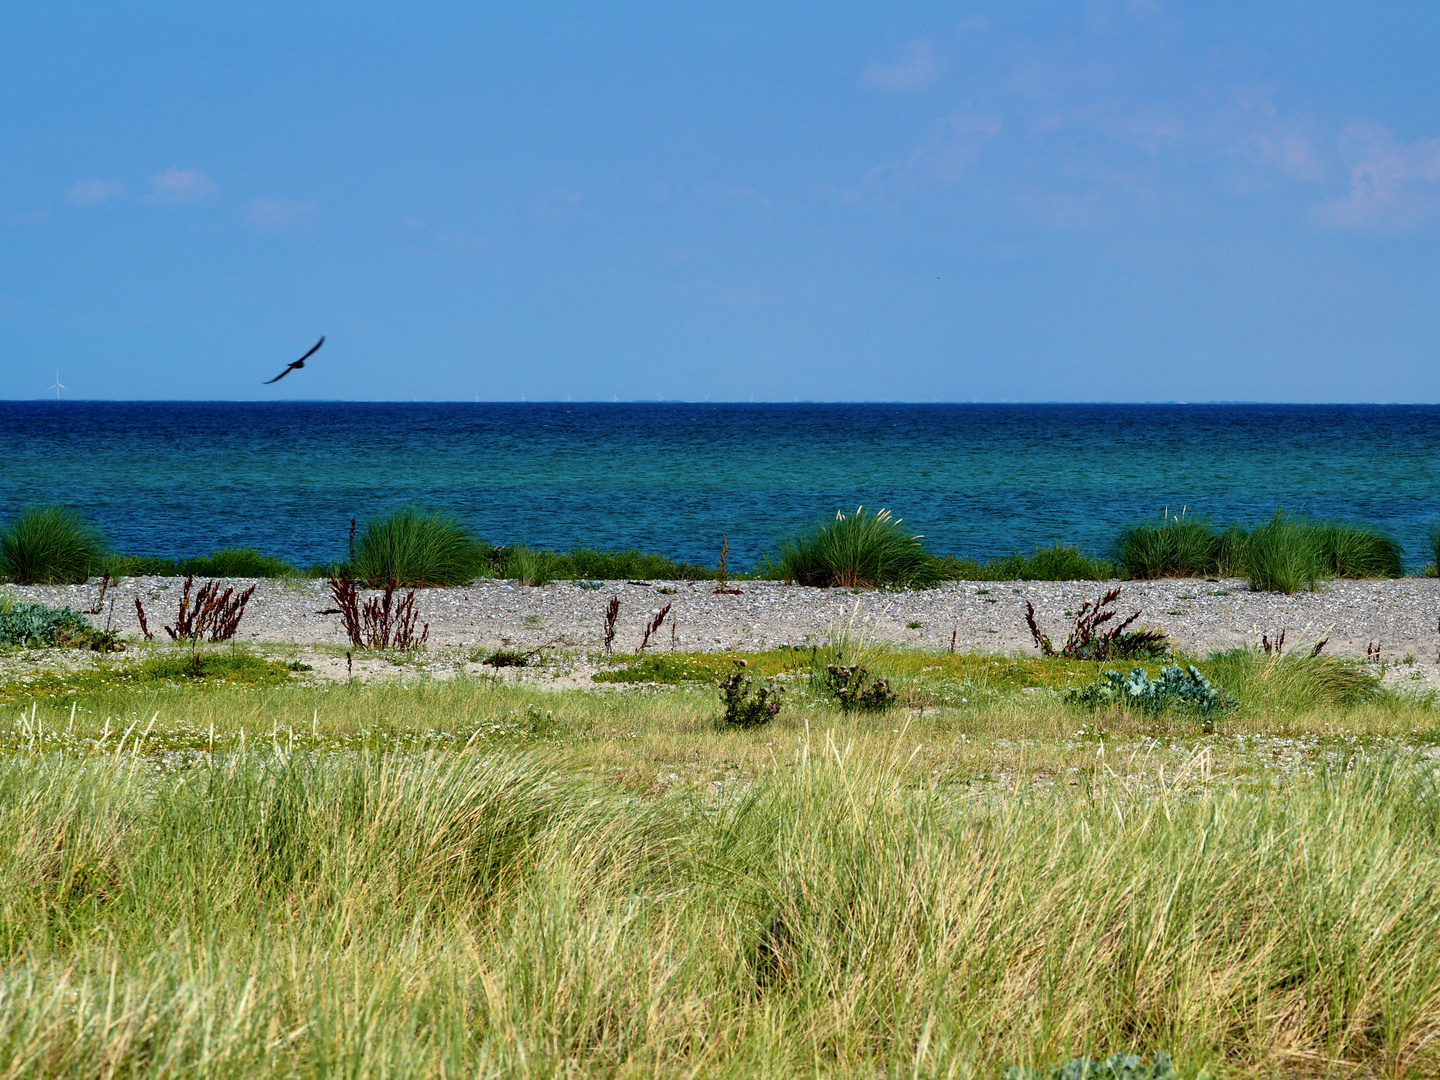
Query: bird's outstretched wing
[[298, 363]]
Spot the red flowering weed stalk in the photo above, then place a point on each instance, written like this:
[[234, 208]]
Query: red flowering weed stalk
[[379, 622], [1088, 641]]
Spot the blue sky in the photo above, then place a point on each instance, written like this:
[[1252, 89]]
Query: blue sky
[[1127, 200]]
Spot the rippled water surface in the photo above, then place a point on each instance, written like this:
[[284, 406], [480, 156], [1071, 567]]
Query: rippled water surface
[[180, 478]]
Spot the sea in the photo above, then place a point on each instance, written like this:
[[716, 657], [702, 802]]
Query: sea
[[976, 480]]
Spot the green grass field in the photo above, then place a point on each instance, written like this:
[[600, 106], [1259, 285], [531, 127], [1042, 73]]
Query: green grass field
[[253, 873]]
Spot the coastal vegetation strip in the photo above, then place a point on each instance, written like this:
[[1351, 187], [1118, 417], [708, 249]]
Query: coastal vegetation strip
[[416, 548]]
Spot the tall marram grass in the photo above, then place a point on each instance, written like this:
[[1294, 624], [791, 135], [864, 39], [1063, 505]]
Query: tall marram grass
[[415, 547], [1432, 545], [1285, 554], [859, 550], [47, 544], [478, 914], [1292, 683]]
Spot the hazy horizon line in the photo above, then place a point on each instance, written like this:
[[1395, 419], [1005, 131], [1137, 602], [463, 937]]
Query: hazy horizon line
[[688, 401]]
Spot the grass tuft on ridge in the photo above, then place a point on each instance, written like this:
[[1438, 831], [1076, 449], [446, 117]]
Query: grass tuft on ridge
[[415, 548], [49, 544], [859, 551], [1285, 554]]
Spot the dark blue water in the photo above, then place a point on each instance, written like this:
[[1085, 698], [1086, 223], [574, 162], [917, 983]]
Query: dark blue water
[[182, 478]]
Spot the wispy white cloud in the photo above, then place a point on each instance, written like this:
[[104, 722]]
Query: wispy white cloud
[[1290, 151], [279, 215], [1393, 184], [94, 192], [916, 66], [958, 143], [410, 221], [955, 144], [181, 187]]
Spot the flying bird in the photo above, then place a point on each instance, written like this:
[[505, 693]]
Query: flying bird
[[297, 364]]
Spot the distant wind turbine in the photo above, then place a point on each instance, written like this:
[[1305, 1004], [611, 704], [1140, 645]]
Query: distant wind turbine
[[58, 386]]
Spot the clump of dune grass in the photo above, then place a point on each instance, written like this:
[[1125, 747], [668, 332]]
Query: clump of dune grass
[[859, 551], [529, 566], [1356, 551], [1432, 546], [1292, 683], [1285, 554], [1058, 562], [1177, 547], [415, 548], [48, 544]]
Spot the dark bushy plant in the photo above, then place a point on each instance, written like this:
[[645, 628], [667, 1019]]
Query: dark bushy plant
[[859, 551], [744, 705], [1432, 541], [1089, 641], [35, 625], [415, 548], [847, 683], [49, 545]]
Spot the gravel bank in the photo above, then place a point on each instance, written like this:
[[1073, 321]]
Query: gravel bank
[[1399, 616]]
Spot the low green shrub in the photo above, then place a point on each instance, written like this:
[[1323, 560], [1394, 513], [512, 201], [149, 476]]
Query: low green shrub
[[239, 563], [744, 705], [35, 625], [859, 551], [415, 548], [587, 563], [1174, 688], [222, 563], [48, 544], [1058, 562]]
